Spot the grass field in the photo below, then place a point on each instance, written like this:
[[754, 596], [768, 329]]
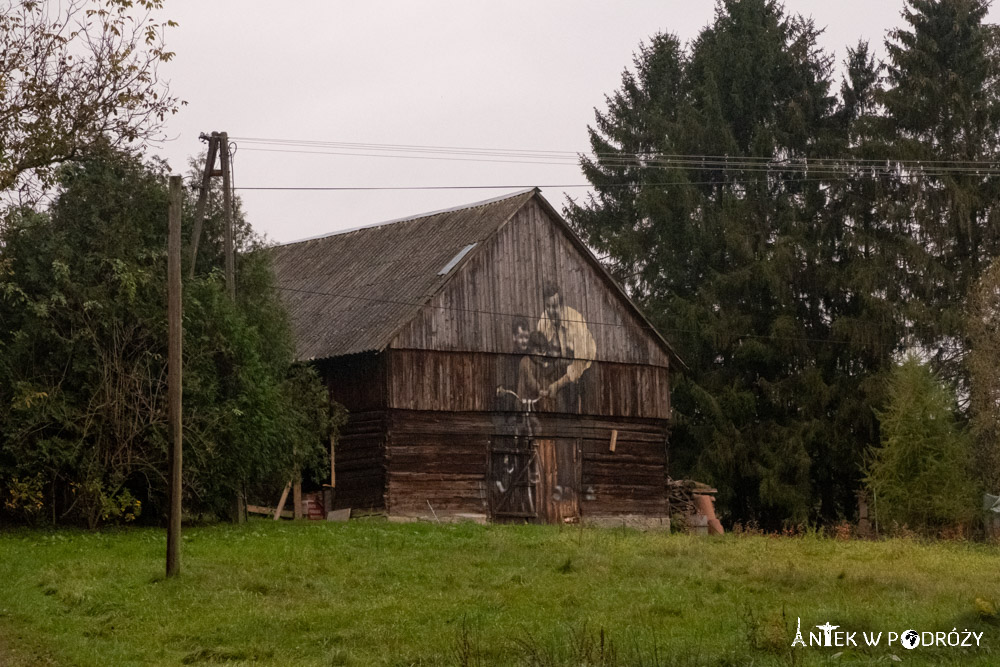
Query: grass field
[[375, 593]]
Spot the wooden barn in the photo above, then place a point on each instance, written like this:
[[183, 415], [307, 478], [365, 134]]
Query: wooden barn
[[491, 366]]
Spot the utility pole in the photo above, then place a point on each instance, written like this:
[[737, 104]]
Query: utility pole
[[206, 186], [218, 144], [227, 207], [174, 335]]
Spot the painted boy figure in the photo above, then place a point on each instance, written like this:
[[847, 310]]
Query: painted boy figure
[[508, 408], [538, 370]]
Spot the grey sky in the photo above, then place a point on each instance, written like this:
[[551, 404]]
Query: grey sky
[[510, 75]]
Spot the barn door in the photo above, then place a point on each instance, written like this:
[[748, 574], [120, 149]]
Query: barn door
[[512, 479], [559, 479], [534, 480]]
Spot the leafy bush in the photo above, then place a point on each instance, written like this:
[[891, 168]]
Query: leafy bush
[[83, 358]]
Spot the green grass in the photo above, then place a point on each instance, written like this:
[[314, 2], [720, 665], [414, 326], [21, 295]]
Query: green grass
[[375, 593]]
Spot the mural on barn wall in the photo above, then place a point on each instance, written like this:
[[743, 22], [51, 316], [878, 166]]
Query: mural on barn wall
[[465, 342], [556, 350], [553, 353]]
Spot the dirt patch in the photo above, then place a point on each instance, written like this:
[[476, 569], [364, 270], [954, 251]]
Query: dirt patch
[[12, 656]]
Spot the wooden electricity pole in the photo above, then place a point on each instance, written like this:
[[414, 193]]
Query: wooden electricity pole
[[218, 144], [227, 208], [206, 186], [174, 334]]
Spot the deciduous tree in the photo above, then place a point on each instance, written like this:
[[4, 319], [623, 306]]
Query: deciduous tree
[[83, 359], [920, 477], [75, 75]]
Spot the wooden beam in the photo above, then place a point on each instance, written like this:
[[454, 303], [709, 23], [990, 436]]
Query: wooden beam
[[281, 503], [199, 209], [614, 440], [297, 497], [269, 511], [227, 208]]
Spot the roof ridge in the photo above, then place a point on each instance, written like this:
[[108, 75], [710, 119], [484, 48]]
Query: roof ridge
[[409, 218]]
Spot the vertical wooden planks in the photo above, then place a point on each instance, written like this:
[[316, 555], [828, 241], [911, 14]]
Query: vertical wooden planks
[[504, 279]]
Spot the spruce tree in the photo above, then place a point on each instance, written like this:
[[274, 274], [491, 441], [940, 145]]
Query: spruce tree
[[983, 363], [857, 245], [792, 244], [941, 114], [713, 248]]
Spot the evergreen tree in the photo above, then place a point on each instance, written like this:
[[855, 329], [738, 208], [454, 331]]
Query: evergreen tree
[[857, 245], [714, 248], [984, 376], [941, 109], [789, 256], [920, 477]]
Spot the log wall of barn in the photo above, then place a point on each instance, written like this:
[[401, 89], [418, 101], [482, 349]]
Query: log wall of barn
[[468, 382], [438, 460], [358, 382]]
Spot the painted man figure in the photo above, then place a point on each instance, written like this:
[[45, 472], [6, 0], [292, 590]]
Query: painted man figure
[[570, 340]]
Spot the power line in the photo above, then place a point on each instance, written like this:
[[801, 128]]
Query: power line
[[789, 170], [596, 186], [404, 157], [711, 163], [624, 155], [412, 187], [501, 187]]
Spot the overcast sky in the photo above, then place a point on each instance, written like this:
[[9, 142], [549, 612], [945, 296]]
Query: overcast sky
[[504, 76]]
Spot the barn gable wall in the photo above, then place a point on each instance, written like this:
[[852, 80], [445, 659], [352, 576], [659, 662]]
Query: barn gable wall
[[435, 428], [601, 448], [476, 308], [460, 347]]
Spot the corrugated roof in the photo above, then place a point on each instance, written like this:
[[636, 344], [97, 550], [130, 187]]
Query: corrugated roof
[[350, 292]]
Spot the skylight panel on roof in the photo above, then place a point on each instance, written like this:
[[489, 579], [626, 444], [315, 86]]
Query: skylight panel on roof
[[456, 259]]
